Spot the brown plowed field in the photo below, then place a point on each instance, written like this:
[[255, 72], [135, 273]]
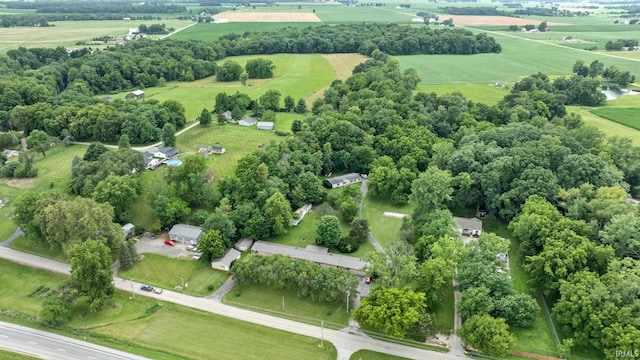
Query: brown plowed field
[[470, 20], [241, 16]]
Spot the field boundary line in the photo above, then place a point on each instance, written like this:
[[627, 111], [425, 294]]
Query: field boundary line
[[177, 31]]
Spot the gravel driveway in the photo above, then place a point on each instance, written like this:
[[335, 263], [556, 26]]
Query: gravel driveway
[[157, 246]]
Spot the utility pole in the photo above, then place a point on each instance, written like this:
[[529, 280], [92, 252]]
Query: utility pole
[[133, 295], [348, 293], [322, 335], [181, 279], [283, 303]]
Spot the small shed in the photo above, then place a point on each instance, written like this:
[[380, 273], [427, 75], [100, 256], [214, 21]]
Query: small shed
[[10, 153], [186, 234], [265, 125], [248, 121], [244, 244], [224, 263], [136, 94], [217, 150], [128, 229], [300, 213]]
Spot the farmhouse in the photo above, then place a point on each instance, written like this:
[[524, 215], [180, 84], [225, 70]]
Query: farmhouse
[[265, 125], [300, 213], [244, 244], [248, 121], [224, 263], [166, 152], [227, 115], [317, 254], [212, 150], [186, 234], [136, 94], [343, 180], [150, 161], [10, 153], [469, 226]]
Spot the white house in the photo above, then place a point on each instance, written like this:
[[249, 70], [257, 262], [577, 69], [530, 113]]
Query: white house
[[248, 121], [186, 234], [265, 125], [244, 244], [136, 94], [224, 263], [343, 180], [300, 213], [166, 152]]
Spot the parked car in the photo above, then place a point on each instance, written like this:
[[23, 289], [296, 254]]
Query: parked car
[[157, 290], [169, 242], [192, 248], [367, 280], [146, 287]]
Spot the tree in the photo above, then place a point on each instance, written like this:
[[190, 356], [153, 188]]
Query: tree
[[429, 192], [243, 78], [55, 311], [359, 230], [348, 245], [277, 211], [328, 231], [542, 27], [433, 275], [391, 310], [169, 134], [91, 272], [260, 68], [518, 309], [396, 267], [489, 335], [229, 71], [349, 210], [623, 234], [119, 192], [170, 210], [123, 142], [475, 300], [211, 245], [289, 103], [301, 107], [296, 126], [94, 151], [595, 68], [205, 117], [270, 100], [221, 222], [38, 140], [128, 255]]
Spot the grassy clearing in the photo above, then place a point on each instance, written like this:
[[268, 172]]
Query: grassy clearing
[[385, 229], [264, 299], [166, 334], [608, 127], [7, 194], [141, 212], [6, 355], [481, 93], [373, 355], [444, 316], [38, 248], [212, 32], [626, 116], [68, 33], [164, 272]]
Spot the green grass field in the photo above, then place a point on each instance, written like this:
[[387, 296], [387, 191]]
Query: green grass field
[[6, 355], [211, 32], [608, 127], [38, 248], [373, 355], [7, 195], [264, 299], [141, 212], [385, 229], [164, 272], [626, 116], [444, 316], [166, 334]]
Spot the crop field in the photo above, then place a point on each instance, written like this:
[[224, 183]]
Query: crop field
[[68, 33], [211, 31], [264, 299], [272, 17], [608, 127], [626, 116]]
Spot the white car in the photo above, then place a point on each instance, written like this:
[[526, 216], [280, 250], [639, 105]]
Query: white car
[[192, 248]]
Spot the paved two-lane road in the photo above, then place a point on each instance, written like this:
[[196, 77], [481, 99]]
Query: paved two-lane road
[[345, 342]]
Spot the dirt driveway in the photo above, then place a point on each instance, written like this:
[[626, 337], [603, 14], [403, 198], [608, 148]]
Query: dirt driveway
[[157, 246]]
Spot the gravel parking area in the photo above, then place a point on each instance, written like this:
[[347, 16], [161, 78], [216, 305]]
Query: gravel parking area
[[157, 246]]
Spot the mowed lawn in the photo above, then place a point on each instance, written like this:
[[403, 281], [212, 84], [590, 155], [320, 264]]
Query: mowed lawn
[[608, 127], [164, 272], [626, 116], [385, 229], [5, 355], [68, 33], [297, 75], [373, 355], [165, 334], [264, 299]]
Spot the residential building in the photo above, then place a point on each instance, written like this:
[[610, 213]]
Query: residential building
[[186, 234], [224, 263], [300, 213], [136, 94], [469, 226], [248, 121], [265, 125], [244, 244], [166, 152], [342, 180]]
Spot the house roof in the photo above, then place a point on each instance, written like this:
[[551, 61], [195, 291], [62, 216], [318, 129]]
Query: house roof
[[244, 242], [346, 262], [137, 92], [468, 223], [184, 230], [248, 120], [227, 114], [147, 157], [342, 178], [168, 151], [128, 226], [265, 125], [217, 148], [228, 258], [8, 152]]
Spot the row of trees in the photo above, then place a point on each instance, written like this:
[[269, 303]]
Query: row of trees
[[610, 75], [254, 69], [97, 8]]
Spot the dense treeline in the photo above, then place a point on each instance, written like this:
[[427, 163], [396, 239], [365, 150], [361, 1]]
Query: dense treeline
[[44, 20], [362, 38], [492, 11], [96, 7], [619, 44], [305, 277], [480, 10]]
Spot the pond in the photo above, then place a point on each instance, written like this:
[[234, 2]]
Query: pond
[[613, 94]]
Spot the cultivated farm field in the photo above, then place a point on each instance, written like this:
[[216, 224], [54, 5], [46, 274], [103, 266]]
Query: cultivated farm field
[[212, 31]]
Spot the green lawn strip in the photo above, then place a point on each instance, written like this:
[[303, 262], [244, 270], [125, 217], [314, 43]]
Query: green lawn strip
[[407, 342], [54, 169], [6, 355], [444, 316], [7, 194], [608, 127], [164, 272], [264, 299], [626, 116], [488, 94], [142, 215], [165, 334], [385, 229], [373, 355], [212, 32], [38, 248]]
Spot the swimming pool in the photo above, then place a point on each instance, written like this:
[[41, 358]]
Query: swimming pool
[[174, 162]]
